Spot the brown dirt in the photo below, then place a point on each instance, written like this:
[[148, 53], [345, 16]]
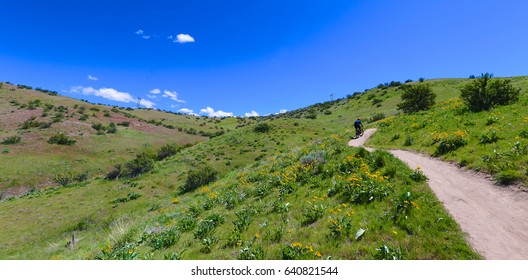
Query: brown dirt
[[495, 218]]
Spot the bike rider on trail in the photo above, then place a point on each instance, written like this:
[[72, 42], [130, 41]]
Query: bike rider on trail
[[359, 127]]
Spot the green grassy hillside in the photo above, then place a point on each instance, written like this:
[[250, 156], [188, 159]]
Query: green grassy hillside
[[493, 142], [277, 187]]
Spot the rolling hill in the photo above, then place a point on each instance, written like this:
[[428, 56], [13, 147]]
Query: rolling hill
[[276, 187]]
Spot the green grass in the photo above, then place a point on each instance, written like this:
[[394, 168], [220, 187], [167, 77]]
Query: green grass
[[275, 194], [278, 191], [493, 141]]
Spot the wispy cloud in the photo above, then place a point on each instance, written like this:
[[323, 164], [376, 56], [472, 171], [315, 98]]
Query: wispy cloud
[[210, 112], [152, 96], [111, 94], [92, 78], [155, 91], [183, 38], [141, 33], [282, 111], [172, 95], [252, 114], [187, 111]]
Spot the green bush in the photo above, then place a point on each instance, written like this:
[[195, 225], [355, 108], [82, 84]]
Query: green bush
[[11, 140], [167, 151], [449, 142], [198, 177], [483, 93], [416, 98], [376, 117], [125, 124], [262, 128], [61, 139], [111, 128], [143, 163]]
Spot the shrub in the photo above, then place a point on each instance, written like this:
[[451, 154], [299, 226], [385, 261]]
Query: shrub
[[61, 139], [143, 163], [448, 143], [483, 93], [376, 117], [30, 123], [11, 140], [416, 98], [167, 151], [313, 158], [64, 179], [125, 124], [198, 177], [262, 128], [111, 128]]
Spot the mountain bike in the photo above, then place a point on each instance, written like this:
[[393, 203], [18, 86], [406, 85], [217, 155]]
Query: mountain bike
[[359, 132]]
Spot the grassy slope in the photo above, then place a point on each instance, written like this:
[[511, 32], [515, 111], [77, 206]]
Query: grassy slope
[[240, 156], [495, 141], [34, 163]]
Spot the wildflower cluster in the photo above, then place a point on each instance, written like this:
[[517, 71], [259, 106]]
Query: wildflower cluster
[[447, 143], [298, 251]]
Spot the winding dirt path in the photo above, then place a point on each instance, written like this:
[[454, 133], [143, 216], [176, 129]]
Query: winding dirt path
[[495, 218]]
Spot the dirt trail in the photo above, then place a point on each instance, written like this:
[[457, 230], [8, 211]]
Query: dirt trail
[[495, 218]]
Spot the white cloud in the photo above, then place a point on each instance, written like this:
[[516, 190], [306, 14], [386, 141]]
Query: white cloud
[[170, 37], [172, 95], [210, 112], [139, 32], [92, 78], [252, 114], [184, 38], [152, 96], [282, 111], [187, 111], [146, 103], [155, 91], [111, 94], [146, 37]]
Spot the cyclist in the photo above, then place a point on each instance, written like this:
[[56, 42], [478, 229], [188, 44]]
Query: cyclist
[[359, 128]]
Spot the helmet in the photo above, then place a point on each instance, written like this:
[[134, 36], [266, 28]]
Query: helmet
[[359, 119]]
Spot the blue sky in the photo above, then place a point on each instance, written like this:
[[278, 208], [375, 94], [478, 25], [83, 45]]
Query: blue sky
[[222, 58]]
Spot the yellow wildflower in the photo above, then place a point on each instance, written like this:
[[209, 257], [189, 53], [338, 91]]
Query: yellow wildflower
[[318, 254]]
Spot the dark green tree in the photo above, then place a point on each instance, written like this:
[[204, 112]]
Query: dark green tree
[[484, 93], [418, 97]]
